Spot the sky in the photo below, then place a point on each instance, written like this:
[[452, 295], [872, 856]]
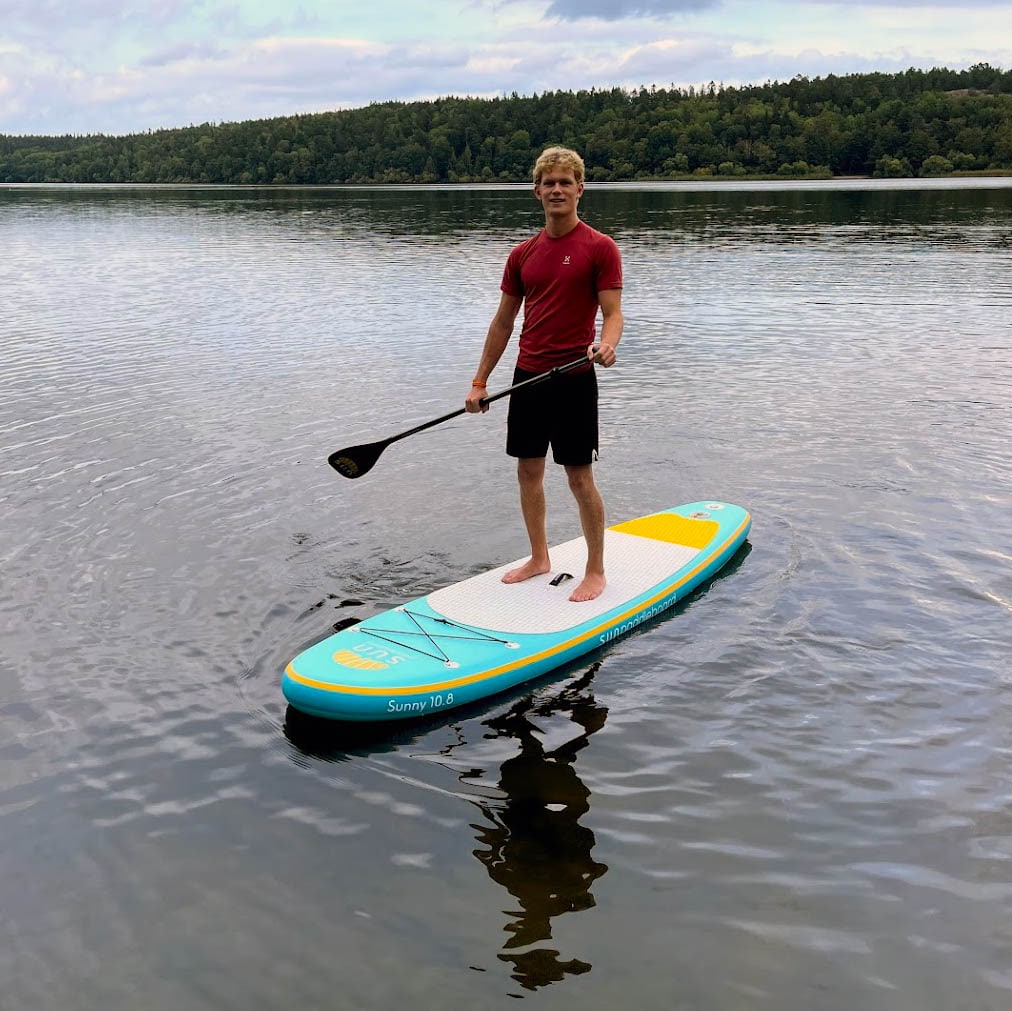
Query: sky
[[128, 66]]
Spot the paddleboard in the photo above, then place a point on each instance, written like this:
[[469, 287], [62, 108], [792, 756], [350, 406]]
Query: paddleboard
[[481, 636]]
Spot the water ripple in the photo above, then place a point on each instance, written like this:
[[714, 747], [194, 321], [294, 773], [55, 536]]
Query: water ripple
[[790, 792]]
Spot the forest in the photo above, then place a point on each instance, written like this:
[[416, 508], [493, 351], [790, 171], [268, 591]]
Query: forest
[[916, 123]]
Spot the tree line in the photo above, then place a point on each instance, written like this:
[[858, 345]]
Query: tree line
[[914, 123]]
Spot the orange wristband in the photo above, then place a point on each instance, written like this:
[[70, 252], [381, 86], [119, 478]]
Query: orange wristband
[[479, 384]]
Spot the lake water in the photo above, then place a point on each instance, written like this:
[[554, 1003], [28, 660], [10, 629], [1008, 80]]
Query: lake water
[[792, 792]]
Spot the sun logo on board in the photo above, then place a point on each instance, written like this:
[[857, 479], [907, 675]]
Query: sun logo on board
[[346, 658]]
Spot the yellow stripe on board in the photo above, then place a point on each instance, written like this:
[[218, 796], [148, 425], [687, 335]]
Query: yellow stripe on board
[[672, 528], [560, 648]]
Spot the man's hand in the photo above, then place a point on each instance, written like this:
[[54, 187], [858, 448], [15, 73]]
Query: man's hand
[[473, 402], [602, 353]]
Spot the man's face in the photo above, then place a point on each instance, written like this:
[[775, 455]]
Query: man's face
[[558, 191]]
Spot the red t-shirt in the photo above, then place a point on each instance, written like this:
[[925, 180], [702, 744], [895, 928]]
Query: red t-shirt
[[559, 280]]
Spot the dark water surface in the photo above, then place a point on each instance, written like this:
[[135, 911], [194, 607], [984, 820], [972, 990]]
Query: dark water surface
[[794, 792]]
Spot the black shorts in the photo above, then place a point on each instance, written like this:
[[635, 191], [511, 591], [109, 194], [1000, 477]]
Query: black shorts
[[560, 412]]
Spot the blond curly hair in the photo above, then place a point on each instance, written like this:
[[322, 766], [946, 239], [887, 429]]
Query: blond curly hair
[[558, 157]]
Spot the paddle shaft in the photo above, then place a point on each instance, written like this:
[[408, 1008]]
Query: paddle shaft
[[358, 460], [540, 378]]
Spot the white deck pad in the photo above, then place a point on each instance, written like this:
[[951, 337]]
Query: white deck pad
[[632, 564]]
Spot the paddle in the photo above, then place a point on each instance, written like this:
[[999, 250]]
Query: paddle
[[358, 460]]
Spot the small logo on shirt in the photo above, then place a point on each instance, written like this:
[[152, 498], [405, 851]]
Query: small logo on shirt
[[565, 261]]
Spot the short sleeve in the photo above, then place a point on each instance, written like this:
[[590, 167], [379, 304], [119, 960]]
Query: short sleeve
[[609, 267]]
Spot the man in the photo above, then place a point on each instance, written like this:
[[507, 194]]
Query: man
[[561, 276]]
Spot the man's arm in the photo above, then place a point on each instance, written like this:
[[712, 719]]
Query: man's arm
[[612, 323], [499, 332]]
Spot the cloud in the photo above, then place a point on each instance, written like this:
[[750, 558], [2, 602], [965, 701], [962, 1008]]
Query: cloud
[[182, 51], [619, 10], [615, 10], [182, 73], [673, 59], [59, 18]]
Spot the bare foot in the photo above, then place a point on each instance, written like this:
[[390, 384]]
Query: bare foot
[[525, 571], [592, 586]]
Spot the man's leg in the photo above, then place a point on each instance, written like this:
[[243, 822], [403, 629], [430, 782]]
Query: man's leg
[[531, 475], [588, 498]]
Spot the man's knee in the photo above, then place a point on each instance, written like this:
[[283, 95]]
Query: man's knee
[[530, 470], [581, 480]]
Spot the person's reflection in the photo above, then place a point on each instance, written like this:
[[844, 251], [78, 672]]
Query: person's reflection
[[535, 846]]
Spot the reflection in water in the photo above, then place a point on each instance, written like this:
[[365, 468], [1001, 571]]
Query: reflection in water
[[533, 842]]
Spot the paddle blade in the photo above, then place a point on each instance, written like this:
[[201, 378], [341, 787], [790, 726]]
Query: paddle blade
[[356, 460]]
